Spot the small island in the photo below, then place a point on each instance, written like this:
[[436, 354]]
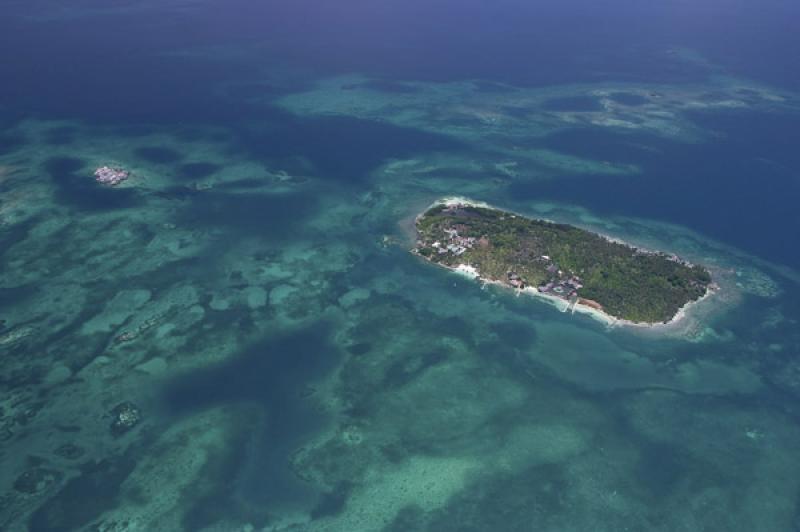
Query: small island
[[106, 175], [584, 270]]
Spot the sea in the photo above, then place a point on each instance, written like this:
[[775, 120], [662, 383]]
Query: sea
[[237, 337]]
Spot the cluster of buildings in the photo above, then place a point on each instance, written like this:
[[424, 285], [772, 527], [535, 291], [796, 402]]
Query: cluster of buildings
[[453, 208], [456, 245], [515, 280], [566, 288]]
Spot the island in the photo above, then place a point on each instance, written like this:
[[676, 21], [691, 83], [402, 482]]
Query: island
[[106, 175], [579, 268]]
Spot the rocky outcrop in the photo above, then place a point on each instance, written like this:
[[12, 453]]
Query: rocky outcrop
[[125, 416], [106, 175], [36, 480]]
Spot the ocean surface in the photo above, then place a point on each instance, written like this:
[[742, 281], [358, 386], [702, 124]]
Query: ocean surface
[[248, 298]]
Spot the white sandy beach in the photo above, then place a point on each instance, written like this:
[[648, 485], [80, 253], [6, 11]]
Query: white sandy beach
[[563, 305]]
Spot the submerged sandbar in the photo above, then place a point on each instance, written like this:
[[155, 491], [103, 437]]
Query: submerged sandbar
[[580, 268]]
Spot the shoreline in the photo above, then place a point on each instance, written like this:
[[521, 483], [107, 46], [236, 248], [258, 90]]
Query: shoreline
[[562, 304]]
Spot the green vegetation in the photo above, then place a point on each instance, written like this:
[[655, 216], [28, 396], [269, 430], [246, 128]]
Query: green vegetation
[[560, 260]]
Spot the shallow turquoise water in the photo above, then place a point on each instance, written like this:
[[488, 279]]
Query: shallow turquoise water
[[249, 288]]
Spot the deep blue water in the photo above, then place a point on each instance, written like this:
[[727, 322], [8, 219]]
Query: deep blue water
[[114, 66], [742, 188], [82, 65], [120, 69]]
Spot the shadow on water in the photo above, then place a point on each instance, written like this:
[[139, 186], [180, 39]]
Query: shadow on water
[[133, 130], [198, 170], [490, 87], [342, 149], [572, 103], [13, 234], [9, 296], [662, 466], [401, 372], [517, 333], [626, 98], [269, 372], [76, 187], [274, 376], [84, 497], [385, 85], [332, 502], [61, 135], [9, 143], [177, 192], [270, 216], [158, 155], [243, 183]]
